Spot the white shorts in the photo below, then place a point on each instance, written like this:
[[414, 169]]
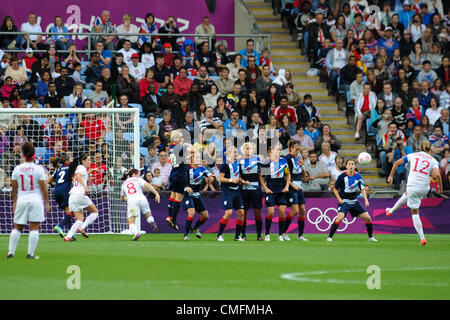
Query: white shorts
[[134, 208], [29, 212], [78, 202], [415, 196]]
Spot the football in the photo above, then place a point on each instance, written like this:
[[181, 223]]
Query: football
[[364, 158]]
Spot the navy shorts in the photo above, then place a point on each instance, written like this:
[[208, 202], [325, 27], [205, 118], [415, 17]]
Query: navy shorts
[[355, 208], [193, 202], [277, 199], [232, 199], [252, 199], [62, 199], [296, 197], [176, 184]]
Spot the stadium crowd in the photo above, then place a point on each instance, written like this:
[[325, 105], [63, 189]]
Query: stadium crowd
[[185, 83]]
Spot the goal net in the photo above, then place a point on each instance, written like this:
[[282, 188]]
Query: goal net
[[111, 138]]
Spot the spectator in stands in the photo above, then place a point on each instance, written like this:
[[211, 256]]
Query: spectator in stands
[[348, 73], [387, 95], [35, 40], [203, 81], [443, 72], [175, 69], [164, 166], [293, 97], [233, 97], [444, 99], [417, 57], [103, 24], [252, 70], [318, 32], [94, 127], [32, 130], [170, 27], [439, 142], [107, 81], [376, 85], [166, 126], [4, 141], [253, 125], [61, 42], [356, 87], [136, 69], [28, 60], [42, 87], [7, 87], [415, 140], [400, 151], [206, 58], [381, 71], [311, 131], [224, 84], [234, 66], [328, 158], [365, 103], [435, 56], [98, 97], [149, 130], [99, 170], [272, 97], [205, 28], [335, 61], [249, 51], [151, 101], [221, 111], [339, 29], [416, 111], [8, 41], [64, 83], [212, 96], [124, 120], [53, 99], [127, 51], [93, 71], [58, 136], [168, 55], [161, 73], [144, 84], [427, 74], [317, 177], [151, 157], [425, 95], [388, 142], [307, 111], [382, 124], [283, 109], [127, 27], [209, 122], [105, 56], [39, 67], [11, 159], [358, 26], [328, 137], [245, 83], [72, 58], [388, 42], [127, 84], [305, 140], [263, 82]]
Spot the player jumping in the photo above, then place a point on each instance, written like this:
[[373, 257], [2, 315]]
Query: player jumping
[[229, 177], [251, 189], [296, 196], [29, 188], [63, 183], [78, 199], [192, 200], [346, 190], [277, 187], [423, 165], [137, 203]]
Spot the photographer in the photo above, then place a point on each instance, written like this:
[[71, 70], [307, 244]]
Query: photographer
[[400, 150], [170, 27]]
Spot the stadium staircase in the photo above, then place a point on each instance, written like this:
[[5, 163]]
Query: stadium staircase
[[285, 53]]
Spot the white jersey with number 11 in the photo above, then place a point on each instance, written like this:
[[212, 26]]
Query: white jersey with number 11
[[421, 166]]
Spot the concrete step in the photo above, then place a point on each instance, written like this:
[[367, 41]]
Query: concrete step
[[313, 92], [274, 31], [284, 58], [305, 79], [305, 86], [269, 24], [257, 9], [283, 44], [276, 52], [278, 39], [266, 17]]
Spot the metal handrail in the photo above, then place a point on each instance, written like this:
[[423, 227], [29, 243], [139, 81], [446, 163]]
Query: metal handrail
[[89, 35]]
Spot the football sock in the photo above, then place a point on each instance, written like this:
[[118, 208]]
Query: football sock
[[334, 227], [223, 224], [66, 221], [133, 229], [199, 222], [268, 224], [239, 226], [175, 209], [281, 223], [369, 227], [287, 223], [150, 219], [13, 240], [33, 239], [301, 225], [418, 225], [74, 228], [169, 207], [258, 223], [244, 227], [89, 219], [188, 225], [400, 203]]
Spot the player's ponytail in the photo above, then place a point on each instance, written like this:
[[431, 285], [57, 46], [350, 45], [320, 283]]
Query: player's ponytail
[[61, 160], [425, 146], [75, 163]]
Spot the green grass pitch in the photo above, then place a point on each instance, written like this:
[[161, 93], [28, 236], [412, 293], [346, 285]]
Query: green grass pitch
[[163, 266]]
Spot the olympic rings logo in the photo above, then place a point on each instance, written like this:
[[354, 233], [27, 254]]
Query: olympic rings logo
[[325, 219]]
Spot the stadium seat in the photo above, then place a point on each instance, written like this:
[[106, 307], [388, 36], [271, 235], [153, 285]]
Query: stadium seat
[[109, 137], [137, 105], [144, 151], [158, 120], [66, 100], [142, 122], [63, 121], [84, 65], [41, 121], [349, 107], [128, 136], [86, 92], [43, 154]]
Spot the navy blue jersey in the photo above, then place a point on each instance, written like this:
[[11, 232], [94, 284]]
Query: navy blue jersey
[[349, 187], [230, 171], [295, 170], [250, 169], [62, 180], [195, 178], [275, 180], [177, 155]]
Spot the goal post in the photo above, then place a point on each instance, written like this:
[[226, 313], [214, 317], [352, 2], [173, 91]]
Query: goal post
[[111, 136]]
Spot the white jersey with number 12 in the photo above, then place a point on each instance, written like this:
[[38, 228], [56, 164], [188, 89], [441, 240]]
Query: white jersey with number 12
[[77, 187], [421, 164]]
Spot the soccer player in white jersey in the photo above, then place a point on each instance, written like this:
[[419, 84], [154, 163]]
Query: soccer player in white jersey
[[29, 188], [137, 202], [78, 199], [422, 166]]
